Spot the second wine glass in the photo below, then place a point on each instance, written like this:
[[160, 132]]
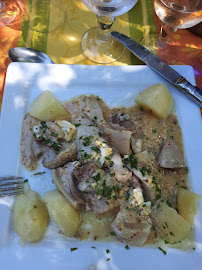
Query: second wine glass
[[175, 14], [97, 44]]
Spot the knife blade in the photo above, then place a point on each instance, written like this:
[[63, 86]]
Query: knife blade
[[193, 92]]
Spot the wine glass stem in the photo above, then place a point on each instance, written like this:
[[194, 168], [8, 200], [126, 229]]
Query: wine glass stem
[[165, 35], [105, 24]]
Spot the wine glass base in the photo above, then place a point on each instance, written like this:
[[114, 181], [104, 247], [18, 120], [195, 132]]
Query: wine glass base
[[46, 17], [169, 53], [100, 52], [8, 12]]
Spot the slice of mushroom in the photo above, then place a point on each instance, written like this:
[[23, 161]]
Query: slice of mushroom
[[93, 111], [68, 154], [131, 226], [136, 144], [170, 156], [63, 179], [144, 172], [119, 139], [30, 150]]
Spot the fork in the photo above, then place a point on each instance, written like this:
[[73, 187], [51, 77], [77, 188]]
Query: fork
[[11, 185]]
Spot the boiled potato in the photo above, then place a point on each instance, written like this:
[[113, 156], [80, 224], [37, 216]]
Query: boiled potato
[[47, 107], [172, 226], [31, 217], [62, 213], [156, 98], [187, 202]]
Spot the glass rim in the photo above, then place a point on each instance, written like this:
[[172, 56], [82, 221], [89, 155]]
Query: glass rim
[[182, 11]]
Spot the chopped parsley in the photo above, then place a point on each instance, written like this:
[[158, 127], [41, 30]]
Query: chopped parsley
[[145, 170], [131, 160], [126, 195], [95, 148], [87, 140], [164, 252], [154, 130], [111, 163], [77, 125], [38, 173], [72, 249], [127, 247], [53, 134], [113, 234], [107, 250], [26, 180], [169, 203], [97, 177], [95, 117], [86, 156], [93, 247], [108, 259]]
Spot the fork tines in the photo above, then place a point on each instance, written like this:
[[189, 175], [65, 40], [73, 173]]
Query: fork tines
[[11, 185]]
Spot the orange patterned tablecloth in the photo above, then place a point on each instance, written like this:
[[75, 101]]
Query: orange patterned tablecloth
[[63, 45]]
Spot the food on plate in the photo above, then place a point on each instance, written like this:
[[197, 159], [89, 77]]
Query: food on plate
[[47, 107], [187, 203], [47, 139], [30, 218], [122, 166], [172, 226], [156, 98], [62, 213]]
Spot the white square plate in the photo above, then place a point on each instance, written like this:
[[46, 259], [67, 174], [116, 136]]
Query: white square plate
[[117, 85]]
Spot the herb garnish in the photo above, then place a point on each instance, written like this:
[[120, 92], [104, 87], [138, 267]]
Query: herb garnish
[[95, 148], [97, 177], [53, 134], [144, 170], [39, 173], [164, 252], [127, 247], [87, 140], [131, 160], [72, 249]]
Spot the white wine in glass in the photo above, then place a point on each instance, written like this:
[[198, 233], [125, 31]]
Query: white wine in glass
[[179, 14], [97, 44], [8, 12], [175, 14]]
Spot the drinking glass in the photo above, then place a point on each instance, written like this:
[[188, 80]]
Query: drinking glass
[[175, 14], [97, 44], [8, 12]]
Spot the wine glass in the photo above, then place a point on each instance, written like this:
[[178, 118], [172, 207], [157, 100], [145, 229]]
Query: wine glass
[[8, 12], [175, 14], [97, 44]]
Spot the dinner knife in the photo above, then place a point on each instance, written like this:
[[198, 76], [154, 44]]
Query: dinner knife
[[193, 92]]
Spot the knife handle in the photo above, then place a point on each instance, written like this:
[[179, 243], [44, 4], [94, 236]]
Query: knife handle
[[193, 92]]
